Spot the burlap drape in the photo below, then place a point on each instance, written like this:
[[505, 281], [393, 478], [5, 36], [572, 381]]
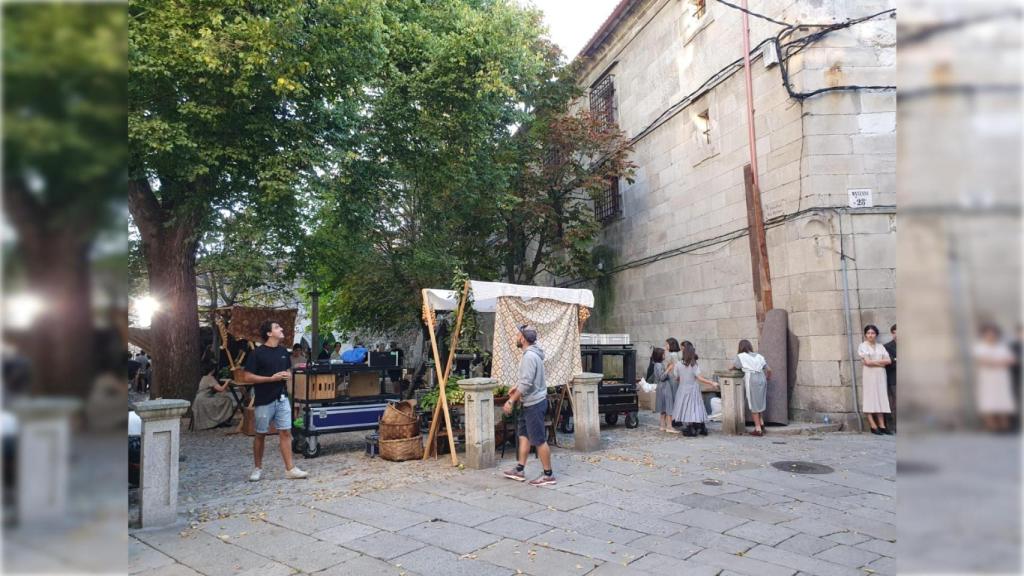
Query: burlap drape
[[245, 322], [558, 330]]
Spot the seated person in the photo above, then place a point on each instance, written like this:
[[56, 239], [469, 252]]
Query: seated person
[[212, 407]]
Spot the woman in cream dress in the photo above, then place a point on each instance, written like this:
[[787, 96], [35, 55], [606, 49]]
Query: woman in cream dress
[[994, 389], [875, 391]]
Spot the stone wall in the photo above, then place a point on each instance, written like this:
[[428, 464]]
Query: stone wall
[[680, 245]]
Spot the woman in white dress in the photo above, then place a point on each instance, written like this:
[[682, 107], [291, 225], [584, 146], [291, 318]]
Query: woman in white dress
[[755, 382], [875, 391], [994, 390]]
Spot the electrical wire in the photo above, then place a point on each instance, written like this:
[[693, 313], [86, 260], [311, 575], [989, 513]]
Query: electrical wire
[[755, 14]]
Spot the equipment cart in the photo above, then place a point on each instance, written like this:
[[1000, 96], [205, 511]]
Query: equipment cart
[[617, 393], [328, 406]]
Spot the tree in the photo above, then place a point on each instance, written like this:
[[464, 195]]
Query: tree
[[64, 77], [567, 162], [424, 196], [233, 106]]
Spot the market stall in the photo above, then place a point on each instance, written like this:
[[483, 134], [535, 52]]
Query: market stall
[[557, 313]]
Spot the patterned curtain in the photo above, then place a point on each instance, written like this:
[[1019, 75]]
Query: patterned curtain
[[558, 332]]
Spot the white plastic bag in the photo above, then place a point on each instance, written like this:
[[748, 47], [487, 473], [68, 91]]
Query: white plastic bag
[[646, 386], [716, 409]]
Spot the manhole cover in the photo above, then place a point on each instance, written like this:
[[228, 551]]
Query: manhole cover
[[904, 467], [710, 482], [802, 467]]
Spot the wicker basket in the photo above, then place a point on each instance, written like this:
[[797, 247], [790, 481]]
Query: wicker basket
[[399, 431], [403, 449], [399, 413]]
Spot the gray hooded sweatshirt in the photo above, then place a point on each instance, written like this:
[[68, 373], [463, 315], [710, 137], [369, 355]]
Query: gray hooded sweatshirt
[[531, 376]]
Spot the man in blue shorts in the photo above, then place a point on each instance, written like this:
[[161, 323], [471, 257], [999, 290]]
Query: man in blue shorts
[[267, 369], [532, 390]]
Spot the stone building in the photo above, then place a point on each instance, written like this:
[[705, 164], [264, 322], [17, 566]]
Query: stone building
[[669, 72]]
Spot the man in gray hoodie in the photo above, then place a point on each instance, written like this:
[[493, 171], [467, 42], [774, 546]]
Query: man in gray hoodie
[[532, 390]]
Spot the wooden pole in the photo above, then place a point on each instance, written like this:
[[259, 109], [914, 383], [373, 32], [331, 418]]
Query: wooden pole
[[442, 400], [760, 270]]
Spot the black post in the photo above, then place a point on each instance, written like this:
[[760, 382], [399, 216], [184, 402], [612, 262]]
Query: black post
[[314, 345]]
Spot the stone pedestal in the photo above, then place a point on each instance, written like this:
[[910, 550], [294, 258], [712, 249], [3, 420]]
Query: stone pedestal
[[44, 457], [479, 422], [586, 420], [734, 402], [158, 481]]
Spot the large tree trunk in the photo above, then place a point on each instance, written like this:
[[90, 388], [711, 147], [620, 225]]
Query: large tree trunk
[[61, 345], [169, 243]]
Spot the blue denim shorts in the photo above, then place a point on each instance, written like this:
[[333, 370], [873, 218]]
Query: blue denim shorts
[[531, 423], [280, 411]]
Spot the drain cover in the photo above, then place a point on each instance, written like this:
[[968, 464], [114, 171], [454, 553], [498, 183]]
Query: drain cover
[[802, 467], [904, 467], [778, 442], [815, 438], [710, 482]]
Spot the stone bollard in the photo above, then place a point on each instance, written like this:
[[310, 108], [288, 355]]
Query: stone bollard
[[586, 420], [479, 423], [44, 457], [158, 481], [734, 402]]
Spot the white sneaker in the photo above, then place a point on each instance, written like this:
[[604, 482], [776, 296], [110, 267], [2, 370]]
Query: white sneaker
[[257, 473], [295, 473]]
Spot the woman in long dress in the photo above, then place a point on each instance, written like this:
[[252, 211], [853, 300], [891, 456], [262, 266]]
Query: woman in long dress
[[755, 382], [875, 394], [994, 391], [666, 392], [689, 404], [212, 407]]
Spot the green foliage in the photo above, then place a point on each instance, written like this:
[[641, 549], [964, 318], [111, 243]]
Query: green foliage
[[236, 106], [452, 391], [64, 92]]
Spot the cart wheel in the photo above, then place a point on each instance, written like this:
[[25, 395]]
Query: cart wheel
[[631, 420], [567, 425], [311, 448], [611, 418]]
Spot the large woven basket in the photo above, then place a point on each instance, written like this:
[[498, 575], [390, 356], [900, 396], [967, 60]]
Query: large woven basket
[[399, 413], [399, 431], [402, 449]]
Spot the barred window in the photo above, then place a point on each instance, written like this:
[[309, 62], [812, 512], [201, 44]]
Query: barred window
[[608, 206], [602, 99]]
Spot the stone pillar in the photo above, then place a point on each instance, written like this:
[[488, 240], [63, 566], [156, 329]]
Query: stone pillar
[[586, 420], [158, 481], [44, 457], [479, 421], [734, 402]]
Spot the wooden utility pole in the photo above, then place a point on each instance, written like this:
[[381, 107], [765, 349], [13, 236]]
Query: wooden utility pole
[[755, 216], [760, 270]]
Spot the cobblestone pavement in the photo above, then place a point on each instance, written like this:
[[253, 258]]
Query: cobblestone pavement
[[647, 503]]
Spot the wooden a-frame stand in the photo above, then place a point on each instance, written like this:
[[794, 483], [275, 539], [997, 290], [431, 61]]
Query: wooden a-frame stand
[[442, 376]]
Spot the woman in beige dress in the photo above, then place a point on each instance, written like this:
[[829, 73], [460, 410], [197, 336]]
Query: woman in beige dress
[[212, 407], [875, 393], [993, 387]]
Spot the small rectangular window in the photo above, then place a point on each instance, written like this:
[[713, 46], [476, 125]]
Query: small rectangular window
[[704, 127]]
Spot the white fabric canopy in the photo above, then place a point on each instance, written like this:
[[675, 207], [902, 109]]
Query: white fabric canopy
[[486, 294]]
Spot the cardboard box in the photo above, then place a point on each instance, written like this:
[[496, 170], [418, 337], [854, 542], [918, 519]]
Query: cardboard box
[[363, 384], [646, 399]]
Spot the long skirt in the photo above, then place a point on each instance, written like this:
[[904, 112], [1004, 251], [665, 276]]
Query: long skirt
[[876, 393], [689, 405], [757, 391], [665, 399]]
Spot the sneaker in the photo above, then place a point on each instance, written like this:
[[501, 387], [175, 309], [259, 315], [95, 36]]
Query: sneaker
[[295, 473], [543, 481], [257, 473], [515, 474]]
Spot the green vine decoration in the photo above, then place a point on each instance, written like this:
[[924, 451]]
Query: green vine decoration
[[603, 259], [470, 331]]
